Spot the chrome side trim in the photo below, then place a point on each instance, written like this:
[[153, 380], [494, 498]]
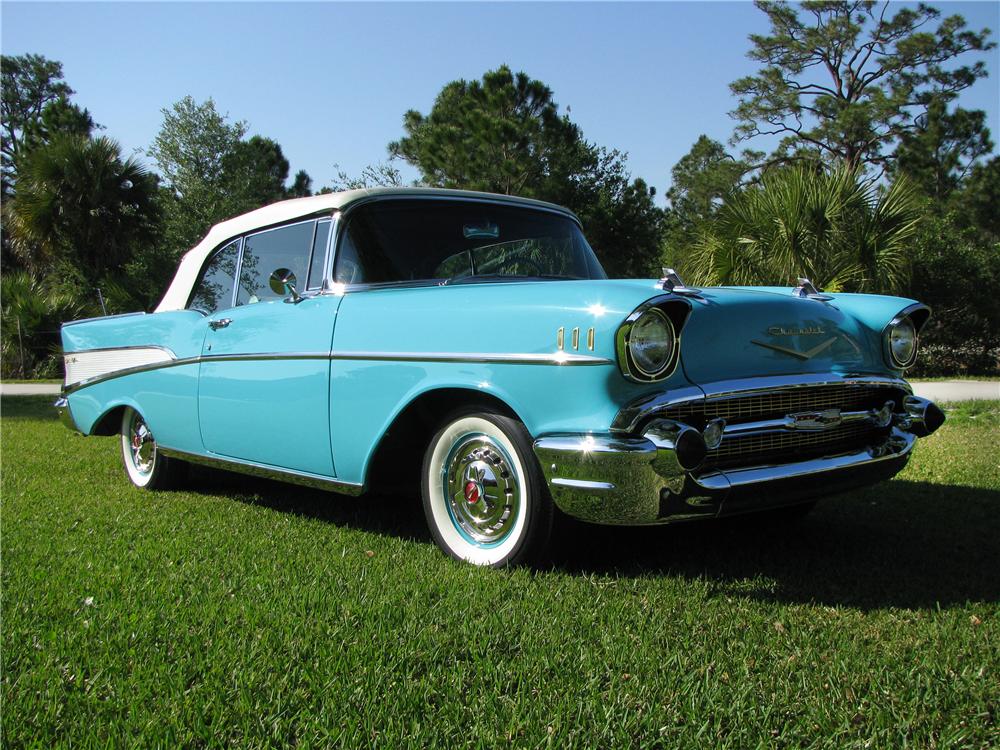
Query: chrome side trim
[[555, 358], [265, 471], [632, 414]]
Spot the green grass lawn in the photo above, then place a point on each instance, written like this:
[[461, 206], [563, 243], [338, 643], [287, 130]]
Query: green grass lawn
[[247, 613]]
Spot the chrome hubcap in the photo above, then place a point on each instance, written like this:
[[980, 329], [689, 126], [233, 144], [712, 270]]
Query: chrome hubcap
[[141, 444], [482, 490]]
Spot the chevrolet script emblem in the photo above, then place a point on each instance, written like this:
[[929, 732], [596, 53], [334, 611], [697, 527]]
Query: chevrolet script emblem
[[807, 354], [781, 331]]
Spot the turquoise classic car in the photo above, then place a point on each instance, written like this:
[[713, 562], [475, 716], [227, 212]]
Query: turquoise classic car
[[471, 344]]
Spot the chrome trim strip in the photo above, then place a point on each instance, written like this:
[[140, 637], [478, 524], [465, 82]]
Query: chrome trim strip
[[583, 485], [633, 413], [120, 349], [265, 471], [555, 358]]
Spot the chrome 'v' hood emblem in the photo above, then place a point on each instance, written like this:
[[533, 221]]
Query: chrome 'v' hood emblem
[[808, 354]]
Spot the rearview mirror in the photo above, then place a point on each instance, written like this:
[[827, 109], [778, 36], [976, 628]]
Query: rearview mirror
[[282, 283]]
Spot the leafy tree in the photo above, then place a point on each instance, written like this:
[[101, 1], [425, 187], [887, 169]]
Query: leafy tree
[[191, 151], [496, 135], [843, 233], [702, 180], [504, 134], [301, 185], [957, 273], [842, 80], [79, 202], [256, 171], [978, 201], [382, 174], [32, 84], [943, 148], [211, 173]]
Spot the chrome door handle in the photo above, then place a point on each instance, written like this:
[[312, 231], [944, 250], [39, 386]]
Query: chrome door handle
[[215, 325]]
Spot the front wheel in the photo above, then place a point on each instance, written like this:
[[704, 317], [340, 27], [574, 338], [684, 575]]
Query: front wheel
[[484, 496], [145, 466]]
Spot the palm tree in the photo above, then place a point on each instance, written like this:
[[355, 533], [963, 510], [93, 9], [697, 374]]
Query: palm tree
[[78, 200], [844, 233], [30, 314]]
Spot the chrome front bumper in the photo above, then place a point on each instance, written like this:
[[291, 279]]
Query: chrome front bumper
[[654, 478]]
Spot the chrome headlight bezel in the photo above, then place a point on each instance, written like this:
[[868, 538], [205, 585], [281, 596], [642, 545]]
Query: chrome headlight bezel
[[630, 368], [912, 317]]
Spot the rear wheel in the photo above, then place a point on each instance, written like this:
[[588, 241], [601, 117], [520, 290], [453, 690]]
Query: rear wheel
[[145, 466], [484, 496]]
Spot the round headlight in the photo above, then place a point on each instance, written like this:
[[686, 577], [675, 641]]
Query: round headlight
[[903, 343], [651, 343]]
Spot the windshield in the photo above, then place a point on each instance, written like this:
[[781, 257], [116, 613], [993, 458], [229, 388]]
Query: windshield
[[460, 241]]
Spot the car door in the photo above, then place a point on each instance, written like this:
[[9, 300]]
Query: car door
[[263, 392]]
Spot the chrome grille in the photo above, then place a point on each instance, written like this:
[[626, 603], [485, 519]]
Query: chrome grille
[[785, 446], [790, 446]]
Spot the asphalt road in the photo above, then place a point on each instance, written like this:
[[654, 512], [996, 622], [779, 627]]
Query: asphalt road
[[941, 390]]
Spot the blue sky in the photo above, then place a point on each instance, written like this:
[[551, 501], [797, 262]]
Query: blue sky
[[330, 81]]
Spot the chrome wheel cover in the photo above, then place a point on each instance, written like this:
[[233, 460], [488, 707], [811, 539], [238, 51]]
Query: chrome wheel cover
[[142, 446], [481, 489]]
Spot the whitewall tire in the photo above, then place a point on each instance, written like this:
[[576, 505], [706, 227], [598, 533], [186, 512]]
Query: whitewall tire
[[484, 496], [145, 466]]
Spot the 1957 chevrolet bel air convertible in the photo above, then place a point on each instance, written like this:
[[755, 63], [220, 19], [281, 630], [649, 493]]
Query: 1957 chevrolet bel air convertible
[[472, 343]]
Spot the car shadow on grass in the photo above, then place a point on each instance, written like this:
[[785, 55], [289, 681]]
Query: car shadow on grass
[[912, 545], [394, 514]]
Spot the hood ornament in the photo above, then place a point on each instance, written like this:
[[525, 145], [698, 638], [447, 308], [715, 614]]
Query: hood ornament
[[807, 290], [671, 282]]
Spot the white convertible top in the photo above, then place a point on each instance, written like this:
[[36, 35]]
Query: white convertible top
[[190, 266]]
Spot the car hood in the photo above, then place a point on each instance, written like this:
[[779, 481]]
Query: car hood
[[737, 333], [741, 332]]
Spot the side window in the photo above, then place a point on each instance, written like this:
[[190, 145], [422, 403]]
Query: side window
[[349, 270], [214, 290], [285, 247], [317, 264]]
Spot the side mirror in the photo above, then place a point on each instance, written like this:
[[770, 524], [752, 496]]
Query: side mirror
[[282, 283]]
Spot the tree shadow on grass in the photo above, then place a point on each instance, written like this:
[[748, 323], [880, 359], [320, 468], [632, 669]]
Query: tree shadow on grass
[[904, 544], [912, 545]]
